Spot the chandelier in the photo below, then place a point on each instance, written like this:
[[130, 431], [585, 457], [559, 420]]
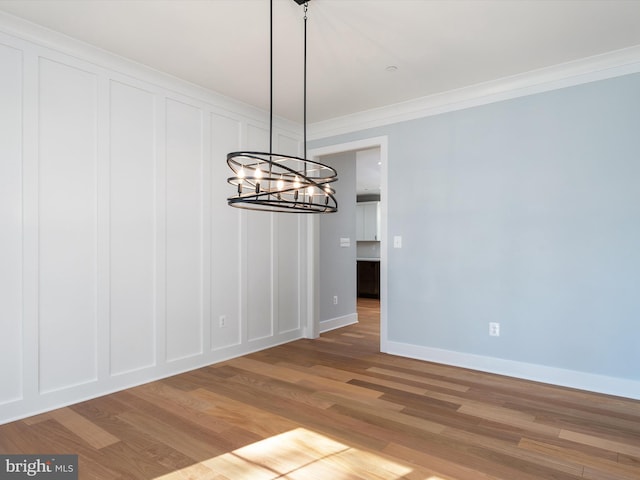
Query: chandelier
[[274, 182]]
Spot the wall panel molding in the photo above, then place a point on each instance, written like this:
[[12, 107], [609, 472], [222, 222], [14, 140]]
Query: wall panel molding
[[131, 254], [67, 226], [22, 34], [11, 225], [261, 288], [225, 243], [133, 227], [184, 233]]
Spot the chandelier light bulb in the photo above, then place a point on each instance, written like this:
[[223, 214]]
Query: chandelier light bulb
[[240, 180], [258, 175]]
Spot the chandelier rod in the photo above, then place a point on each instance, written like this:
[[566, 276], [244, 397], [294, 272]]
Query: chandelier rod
[[271, 77], [304, 82]]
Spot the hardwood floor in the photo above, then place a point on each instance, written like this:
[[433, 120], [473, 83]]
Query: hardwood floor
[[335, 408]]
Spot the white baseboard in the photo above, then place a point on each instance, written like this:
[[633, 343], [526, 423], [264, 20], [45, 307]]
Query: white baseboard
[[528, 371], [338, 322]]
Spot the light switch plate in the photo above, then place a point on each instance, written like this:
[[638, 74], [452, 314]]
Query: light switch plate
[[397, 241], [345, 242]]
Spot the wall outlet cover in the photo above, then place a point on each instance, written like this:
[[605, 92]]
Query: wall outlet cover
[[494, 329]]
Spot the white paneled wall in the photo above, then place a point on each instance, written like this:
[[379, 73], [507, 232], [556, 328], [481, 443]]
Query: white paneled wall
[[286, 275], [67, 225], [225, 249], [11, 226], [118, 253], [132, 228], [259, 305], [184, 230]]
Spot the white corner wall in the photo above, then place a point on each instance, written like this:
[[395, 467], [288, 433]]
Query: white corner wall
[[118, 251]]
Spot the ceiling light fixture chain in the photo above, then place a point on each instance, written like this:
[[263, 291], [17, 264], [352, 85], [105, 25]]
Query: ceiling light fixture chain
[[282, 183]]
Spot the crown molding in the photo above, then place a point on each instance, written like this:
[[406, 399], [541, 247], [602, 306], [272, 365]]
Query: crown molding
[[590, 69], [19, 33], [585, 70]]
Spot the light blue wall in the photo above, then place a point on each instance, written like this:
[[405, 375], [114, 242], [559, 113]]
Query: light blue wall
[[524, 212], [338, 264]]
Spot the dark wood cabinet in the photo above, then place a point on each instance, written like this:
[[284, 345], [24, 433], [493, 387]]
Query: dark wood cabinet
[[368, 279]]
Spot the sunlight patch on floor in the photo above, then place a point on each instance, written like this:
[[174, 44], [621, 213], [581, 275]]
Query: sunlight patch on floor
[[298, 454]]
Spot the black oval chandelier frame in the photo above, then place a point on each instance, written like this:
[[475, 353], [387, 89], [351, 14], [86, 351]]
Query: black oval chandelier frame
[[273, 182]]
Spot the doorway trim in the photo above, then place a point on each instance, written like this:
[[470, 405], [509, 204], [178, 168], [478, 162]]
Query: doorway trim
[[312, 329]]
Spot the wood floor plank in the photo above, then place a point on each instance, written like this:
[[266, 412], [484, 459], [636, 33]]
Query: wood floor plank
[[52, 437], [604, 443], [282, 389], [439, 466], [511, 418], [574, 417], [337, 398], [43, 417], [182, 441], [129, 462], [591, 463], [85, 429], [196, 471], [505, 446], [184, 405], [419, 379], [335, 407], [380, 412], [294, 374], [255, 420], [321, 420]]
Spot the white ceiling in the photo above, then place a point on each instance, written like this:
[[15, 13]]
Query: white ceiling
[[368, 171], [436, 45]]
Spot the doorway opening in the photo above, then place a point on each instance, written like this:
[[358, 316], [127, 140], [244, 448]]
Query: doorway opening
[[369, 307], [369, 315], [368, 236]]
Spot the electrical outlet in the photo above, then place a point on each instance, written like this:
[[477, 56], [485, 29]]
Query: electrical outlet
[[494, 329], [223, 321], [335, 299]]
